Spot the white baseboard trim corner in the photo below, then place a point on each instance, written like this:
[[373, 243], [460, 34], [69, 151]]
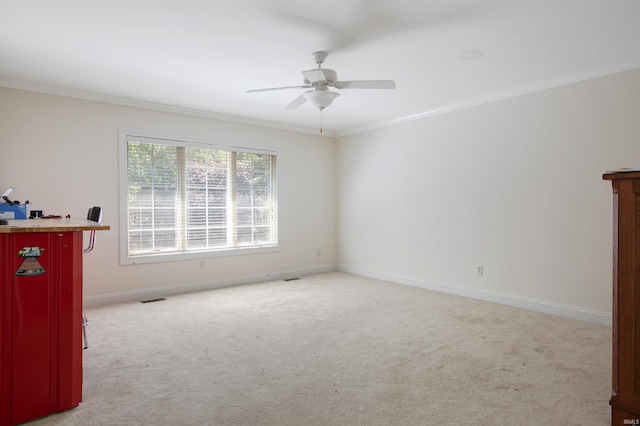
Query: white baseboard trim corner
[[567, 311], [159, 292]]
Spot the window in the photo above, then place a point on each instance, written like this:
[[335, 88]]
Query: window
[[184, 198]]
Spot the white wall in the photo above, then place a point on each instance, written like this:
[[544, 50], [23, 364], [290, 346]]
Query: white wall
[[62, 155], [514, 185]]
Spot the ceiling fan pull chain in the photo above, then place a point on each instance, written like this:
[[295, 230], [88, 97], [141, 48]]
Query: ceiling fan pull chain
[[321, 121]]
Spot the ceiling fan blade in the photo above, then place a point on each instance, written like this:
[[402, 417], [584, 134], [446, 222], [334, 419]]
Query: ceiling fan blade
[[277, 88], [296, 103], [366, 84]]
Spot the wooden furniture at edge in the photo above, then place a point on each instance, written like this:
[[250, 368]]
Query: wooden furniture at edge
[[625, 395], [41, 317]]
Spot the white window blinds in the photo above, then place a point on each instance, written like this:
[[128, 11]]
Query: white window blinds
[[187, 199]]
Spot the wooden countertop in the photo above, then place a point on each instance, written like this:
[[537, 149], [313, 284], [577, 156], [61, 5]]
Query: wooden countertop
[[51, 225]]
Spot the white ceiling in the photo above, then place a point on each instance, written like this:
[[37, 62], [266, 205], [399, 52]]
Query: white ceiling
[[204, 55]]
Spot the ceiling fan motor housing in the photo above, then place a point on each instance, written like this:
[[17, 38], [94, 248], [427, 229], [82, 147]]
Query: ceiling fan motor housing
[[320, 75]]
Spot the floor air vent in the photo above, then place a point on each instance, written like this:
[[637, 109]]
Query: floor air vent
[[152, 300]]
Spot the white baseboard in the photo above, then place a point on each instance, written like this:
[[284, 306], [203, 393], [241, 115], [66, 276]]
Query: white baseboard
[[573, 312], [159, 292]]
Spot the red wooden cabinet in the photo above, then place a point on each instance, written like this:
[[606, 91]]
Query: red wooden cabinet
[[625, 396], [40, 324]]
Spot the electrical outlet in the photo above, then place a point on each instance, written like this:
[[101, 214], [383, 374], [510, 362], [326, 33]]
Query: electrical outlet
[[202, 264], [319, 252], [480, 271]]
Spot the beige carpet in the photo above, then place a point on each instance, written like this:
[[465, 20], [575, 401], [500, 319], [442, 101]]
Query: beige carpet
[[337, 349]]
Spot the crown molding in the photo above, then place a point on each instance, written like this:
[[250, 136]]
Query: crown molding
[[524, 90], [134, 103]]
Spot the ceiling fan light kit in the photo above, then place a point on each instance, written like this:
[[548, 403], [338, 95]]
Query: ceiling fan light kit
[[320, 98], [320, 79]]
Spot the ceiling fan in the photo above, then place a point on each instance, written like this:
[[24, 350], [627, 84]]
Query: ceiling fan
[[320, 79]]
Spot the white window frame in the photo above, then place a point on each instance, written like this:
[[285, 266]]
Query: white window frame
[[125, 135]]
